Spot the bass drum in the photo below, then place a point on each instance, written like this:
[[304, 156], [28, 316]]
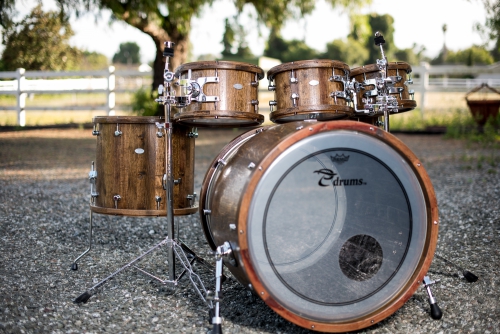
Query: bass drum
[[333, 224]]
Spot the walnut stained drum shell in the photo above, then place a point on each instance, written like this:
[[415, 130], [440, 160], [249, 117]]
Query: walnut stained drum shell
[[309, 89], [226, 94], [131, 164]]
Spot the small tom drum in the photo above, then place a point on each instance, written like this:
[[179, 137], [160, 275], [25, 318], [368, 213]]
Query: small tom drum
[[131, 165], [333, 224], [398, 71], [309, 89], [224, 94]]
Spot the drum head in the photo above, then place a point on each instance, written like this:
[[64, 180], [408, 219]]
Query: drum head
[[337, 227]]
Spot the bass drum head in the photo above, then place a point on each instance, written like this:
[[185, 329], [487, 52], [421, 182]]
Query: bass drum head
[[336, 226]]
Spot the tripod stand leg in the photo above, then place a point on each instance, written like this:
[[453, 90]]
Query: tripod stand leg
[[74, 266], [83, 298]]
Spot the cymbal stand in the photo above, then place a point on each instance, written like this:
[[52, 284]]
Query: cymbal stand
[[174, 248]]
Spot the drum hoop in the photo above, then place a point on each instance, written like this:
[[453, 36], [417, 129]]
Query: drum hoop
[[128, 119], [142, 213], [397, 65], [220, 64], [320, 109], [306, 129], [252, 119], [303, 64]]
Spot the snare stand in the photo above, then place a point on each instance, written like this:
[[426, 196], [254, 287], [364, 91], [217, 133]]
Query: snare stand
[[175, 248]]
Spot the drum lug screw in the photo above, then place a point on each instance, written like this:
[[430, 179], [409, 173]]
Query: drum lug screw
[[95, 132], [178, 181], [158, 200], [255, 102], [251, 165], [271, 88], [232, 227], [207, 212], [116, 198], [254, 84]]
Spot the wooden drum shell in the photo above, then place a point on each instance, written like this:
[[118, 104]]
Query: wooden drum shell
[[314, 85], [236, 92], [133, 164], [366, 72]]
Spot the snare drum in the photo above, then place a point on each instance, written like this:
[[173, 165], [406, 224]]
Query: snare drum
[[131, 167], [333, 224], [309, 89], [224, 94], [398, 71]]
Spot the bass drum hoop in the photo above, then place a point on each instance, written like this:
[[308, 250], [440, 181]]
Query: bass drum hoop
[[419, 272]]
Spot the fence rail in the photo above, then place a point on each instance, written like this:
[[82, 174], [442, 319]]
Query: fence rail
[[111, 82]]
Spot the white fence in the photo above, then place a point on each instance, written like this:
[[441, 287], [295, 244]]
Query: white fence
[[108, 82], [111, 82]]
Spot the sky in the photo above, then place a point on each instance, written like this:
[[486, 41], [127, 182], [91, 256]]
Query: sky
[[415, 21]]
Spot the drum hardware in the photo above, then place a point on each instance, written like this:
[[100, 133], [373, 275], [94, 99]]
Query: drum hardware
[[116, 198], [95, 131], [294, 97], [223, 252], [176, 249], [118, 132], [193, 133], [470, 277], [436, 312]]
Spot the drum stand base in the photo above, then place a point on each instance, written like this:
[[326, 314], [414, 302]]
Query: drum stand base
[[180, 250], [74, 266]]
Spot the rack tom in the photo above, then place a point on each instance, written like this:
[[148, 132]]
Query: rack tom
[[224, 94], [398, 72], [130, 167], [309, 89]]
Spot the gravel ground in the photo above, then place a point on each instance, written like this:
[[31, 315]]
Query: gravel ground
[[44, 193]]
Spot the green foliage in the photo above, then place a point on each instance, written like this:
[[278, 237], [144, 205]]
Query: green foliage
[[234, 40], [39, 42], [288, 51], [128, 53], [91, 61], [351, 52], [143, 103], [412, 56]]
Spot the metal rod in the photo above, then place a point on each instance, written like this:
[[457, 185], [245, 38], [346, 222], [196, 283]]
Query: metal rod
[[75, 266], [170, 183]]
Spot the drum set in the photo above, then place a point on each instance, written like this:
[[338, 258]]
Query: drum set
[[324, 214]]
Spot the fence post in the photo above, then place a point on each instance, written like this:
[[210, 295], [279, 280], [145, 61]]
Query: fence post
[[21, 97], [424, 86], [111, 99]]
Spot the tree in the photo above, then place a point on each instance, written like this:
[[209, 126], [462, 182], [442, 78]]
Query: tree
[[93, 61], [39, 42], [350, 51], [475, 55], [234, 40], [170, 20], [288, 51], [128, 53], [491, 28]]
